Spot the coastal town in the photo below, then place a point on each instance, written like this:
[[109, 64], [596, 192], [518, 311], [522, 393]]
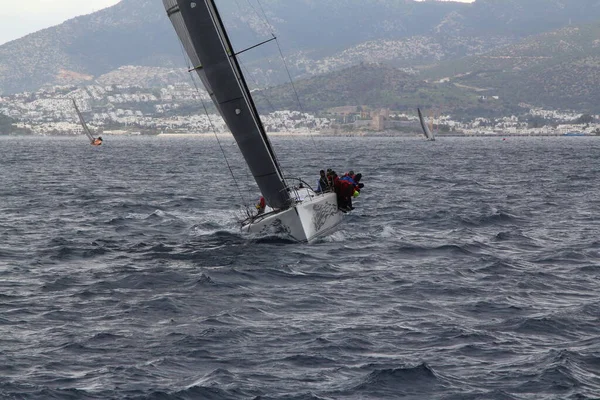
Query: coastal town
[[180, 108]]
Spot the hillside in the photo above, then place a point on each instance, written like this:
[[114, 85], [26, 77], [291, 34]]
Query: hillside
[[559, 69], [317, 36], [527, 17], [131, 32], [7, 127], [376, 86]]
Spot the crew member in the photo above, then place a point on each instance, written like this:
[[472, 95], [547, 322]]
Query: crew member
[[261, 205], [323, 183]]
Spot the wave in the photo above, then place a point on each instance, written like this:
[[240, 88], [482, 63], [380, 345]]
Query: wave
[[516, 236], [404, 381], [299, 396], [568, 256], [102, 337], [496, 394], [464, 249], [59, 284], [44, 393], [450, 283], [274, 239], [548, 326], [501, 268], [61, 249], [313, 361], [550, 380], [191, 393], [491, 219]]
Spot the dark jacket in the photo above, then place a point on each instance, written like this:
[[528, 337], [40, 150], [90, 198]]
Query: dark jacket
[[323, 185]]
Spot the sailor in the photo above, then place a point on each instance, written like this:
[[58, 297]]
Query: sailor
[[357, 179], [322, 183], [349, 177], [97, 141], [354, 180], [261, 205], [345, 191], [331, 178]]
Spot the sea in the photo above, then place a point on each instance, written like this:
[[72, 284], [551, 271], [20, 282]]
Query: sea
[[469, 269]]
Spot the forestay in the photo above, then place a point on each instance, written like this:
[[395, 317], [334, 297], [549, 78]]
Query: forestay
[[201, 31], [83, 124]]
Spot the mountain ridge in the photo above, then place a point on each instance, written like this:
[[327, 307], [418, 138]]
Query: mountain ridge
[[137, 32], [486, 47], [559, 69]]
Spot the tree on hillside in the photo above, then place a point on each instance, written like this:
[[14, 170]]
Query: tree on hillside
[[6, 124], [585, 119], [7, 127]]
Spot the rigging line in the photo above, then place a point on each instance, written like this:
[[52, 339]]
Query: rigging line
[[293, 87], [266, 20], [241, 81], [264, 13], [214, 129], [255, 46], [271, 29], [264, 96], [255, 82], [245, 169]]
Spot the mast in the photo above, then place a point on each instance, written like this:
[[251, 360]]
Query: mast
[[424, 126], [202, 33], [82, 121]]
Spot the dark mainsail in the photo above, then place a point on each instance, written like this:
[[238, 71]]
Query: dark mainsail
[[426, 130], [82, 121], [201, 31]]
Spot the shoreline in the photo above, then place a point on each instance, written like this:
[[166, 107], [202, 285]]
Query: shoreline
[[364, 134], [212, 135]]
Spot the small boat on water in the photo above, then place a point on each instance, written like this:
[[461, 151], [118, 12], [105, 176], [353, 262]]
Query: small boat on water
[[426, 130], [93, 140]]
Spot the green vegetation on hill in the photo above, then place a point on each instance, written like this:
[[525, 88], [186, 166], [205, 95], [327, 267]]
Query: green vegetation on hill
[[377, 86], [559, 69]]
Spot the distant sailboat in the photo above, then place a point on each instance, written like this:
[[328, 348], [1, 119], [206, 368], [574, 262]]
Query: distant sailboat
[[426, 131], [93, 141], [296, 212]]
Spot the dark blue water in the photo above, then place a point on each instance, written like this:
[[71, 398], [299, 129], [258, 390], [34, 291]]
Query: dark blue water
[[470, 269]]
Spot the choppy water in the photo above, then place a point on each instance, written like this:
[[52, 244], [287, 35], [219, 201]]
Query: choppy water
[[469, 270]]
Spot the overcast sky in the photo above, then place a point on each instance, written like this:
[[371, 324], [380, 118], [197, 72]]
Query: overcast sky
[[21, 17]]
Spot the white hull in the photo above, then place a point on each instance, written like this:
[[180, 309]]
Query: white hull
[[314, 216]]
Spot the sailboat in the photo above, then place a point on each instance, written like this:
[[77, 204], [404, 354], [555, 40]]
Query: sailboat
[[296, 212], [93, 141], [426, 130]]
